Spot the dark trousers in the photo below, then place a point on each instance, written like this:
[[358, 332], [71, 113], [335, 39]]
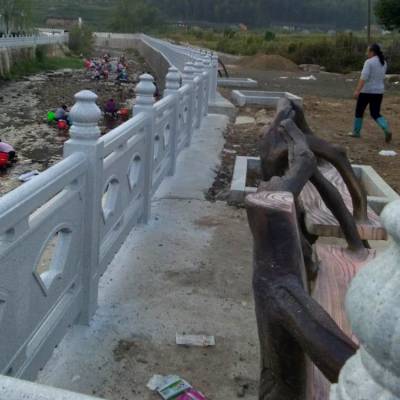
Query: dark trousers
[[11, 156], [373, 100]]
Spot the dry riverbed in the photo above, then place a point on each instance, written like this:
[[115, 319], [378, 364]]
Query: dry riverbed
[[23, 114]]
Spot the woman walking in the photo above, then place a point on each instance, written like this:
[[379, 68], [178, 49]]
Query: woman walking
[[370, 90]]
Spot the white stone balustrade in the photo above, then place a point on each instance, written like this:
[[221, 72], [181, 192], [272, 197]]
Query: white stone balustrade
[[82, 209], [178, 56], [372, 305], [32, 40]]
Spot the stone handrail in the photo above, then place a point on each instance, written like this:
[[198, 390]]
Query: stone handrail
[[16, 389], [59, 232], [180, 55], [32, 40]]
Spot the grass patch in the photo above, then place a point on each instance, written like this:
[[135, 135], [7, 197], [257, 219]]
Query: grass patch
[[343, 52], [40, 64]]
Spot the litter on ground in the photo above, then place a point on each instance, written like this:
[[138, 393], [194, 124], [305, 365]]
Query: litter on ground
[[155, 382], [28, 175], [387, 153], [228, 151], [308, 78], [195, 340], [173, 387], [192, 394]]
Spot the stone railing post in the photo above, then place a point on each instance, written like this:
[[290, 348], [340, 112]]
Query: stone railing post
[[85, 115], [372, 305], [172, 86], [198, 71], [188, 79], [145, 91], [207, 78], [214, 78]]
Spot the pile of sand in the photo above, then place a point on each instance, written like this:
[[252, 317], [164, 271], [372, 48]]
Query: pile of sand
[[269, 62]]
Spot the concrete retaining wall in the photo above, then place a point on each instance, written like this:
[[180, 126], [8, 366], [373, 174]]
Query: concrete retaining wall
[[157, 61], [10, 56]]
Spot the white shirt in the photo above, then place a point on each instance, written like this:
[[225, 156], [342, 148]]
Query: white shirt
[[5, 147], [374, 74]]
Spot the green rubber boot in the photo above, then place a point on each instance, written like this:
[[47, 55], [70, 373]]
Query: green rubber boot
[[358, 124], [384, 125]]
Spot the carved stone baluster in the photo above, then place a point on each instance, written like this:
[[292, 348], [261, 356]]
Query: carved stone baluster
[[198, 71], [207, 77], [372, 305], [85, 115], [173, 84], [214, 85], [145, 91], [188, 77]]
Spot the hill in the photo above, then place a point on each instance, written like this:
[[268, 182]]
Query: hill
[[256, 13], [97, 13]]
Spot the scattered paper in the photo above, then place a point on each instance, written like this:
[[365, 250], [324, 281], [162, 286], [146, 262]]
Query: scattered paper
[[155, 382], [195, 340], [192, 394], [244, 120], [173, 387], [228, 151], [308, 78], [28, 175], [388, 153]]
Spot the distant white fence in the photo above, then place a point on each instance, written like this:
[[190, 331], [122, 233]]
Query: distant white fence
[[32, 40], [60, 231]]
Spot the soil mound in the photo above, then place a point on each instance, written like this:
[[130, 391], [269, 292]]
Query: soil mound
[[269, 62]]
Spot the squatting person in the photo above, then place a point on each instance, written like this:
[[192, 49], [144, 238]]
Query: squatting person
[[370, 90]]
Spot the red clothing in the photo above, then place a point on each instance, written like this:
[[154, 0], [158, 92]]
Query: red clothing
[[3, 160]]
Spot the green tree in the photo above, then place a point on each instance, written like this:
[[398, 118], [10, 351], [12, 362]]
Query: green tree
[[81, 40], [16, 15], [388, 13], [134, 16]]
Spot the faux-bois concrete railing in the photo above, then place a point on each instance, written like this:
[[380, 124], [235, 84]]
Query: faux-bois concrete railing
[[59, 232]]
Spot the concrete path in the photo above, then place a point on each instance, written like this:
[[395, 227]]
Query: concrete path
[[187, 271]]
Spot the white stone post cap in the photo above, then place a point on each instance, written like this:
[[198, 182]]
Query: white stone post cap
[[85, 115], [173, 79], [145, 90]]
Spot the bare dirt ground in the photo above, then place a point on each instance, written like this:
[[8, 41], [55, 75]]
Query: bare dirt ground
[[23, 113], [329, 108]]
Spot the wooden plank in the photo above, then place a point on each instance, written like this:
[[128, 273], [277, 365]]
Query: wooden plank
[[338, 266], [319, 219]]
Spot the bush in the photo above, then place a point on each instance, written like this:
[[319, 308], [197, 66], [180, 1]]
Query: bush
[[269, 36], [229, 33], [34, 66], [392, 52], [81, 40], [40, 53]]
